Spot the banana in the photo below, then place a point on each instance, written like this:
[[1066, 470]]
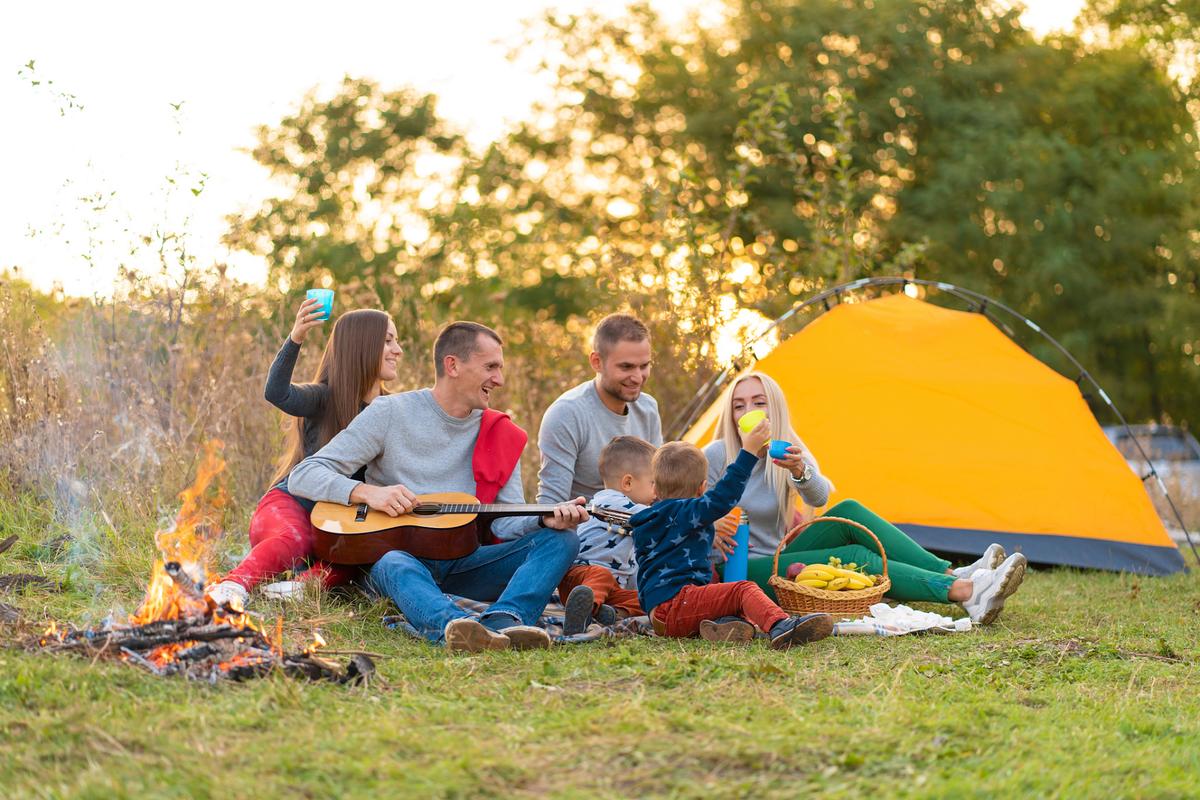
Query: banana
[[819, 573], [812, 584], [837, 584], [848, 573], [858, 583]]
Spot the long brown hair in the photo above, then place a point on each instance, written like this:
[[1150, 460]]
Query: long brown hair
[[350, 368]]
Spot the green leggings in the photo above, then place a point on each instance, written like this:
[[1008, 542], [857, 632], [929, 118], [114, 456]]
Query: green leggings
[[916, 573]]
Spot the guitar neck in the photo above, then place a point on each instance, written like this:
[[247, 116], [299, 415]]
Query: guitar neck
[[496, 509], [609, 515]]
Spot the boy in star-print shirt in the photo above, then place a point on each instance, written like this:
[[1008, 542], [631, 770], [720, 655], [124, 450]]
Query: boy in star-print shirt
[[673, 538], [602, 585]]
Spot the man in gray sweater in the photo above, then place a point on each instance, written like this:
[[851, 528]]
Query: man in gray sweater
[[578, 425], [422, 442]]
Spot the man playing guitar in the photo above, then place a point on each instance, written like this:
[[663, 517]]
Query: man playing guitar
[[446, 439]]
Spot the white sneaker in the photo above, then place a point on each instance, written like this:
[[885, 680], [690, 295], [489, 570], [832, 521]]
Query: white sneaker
[[991, 587], [467, 635], [990, 559], [229, 594], [288, 591]]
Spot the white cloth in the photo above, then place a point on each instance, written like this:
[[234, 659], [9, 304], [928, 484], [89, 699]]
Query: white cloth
[[885, 620]]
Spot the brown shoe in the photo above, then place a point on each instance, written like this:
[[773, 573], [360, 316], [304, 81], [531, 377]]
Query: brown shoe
[[467, 635], [726, 629], [526, 637]]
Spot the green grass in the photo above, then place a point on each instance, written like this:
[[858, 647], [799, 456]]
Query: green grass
[[1087, 687]]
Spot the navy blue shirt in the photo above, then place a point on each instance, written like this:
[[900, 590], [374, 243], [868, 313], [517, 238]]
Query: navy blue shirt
[[672, 538]]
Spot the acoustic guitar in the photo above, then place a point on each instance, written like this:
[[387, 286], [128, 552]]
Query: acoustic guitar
[[441, 526]]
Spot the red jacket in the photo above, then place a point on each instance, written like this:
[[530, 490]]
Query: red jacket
[[497, 454]]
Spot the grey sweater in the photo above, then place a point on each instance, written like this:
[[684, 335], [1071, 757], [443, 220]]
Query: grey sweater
[[405, 439], [575, 428], [760, 502]]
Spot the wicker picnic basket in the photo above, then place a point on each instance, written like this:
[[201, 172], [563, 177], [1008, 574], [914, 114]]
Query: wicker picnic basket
[[797, 599]]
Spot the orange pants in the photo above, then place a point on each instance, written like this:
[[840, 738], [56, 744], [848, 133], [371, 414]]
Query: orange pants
[[605, 587]]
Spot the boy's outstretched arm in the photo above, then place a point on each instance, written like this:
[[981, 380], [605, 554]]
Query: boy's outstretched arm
[[720, 499]]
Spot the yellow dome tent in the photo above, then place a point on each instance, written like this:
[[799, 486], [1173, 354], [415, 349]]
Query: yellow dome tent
[[940, 423]]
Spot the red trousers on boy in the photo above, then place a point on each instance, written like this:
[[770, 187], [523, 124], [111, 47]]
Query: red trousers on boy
[[683, 613], [281, 538], [604, 586]]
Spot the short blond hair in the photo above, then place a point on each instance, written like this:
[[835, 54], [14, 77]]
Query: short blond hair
[[679, 470]]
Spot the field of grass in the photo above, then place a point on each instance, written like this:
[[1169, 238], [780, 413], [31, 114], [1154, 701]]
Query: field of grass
[[1087, 687]]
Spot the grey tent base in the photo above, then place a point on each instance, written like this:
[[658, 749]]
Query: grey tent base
[[1041, 548]]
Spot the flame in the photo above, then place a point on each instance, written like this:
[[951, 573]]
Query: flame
[[187, 544], [317, 643], [167, 653], [277, 639], [244, 658], [52, 633]]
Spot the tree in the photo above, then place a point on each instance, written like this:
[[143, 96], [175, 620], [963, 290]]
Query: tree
[[1062, 180]]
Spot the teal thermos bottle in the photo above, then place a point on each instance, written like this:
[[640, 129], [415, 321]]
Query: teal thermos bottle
[[735, 567]]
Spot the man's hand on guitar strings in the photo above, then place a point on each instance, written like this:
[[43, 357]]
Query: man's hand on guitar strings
[[567, 515], [394, 501]]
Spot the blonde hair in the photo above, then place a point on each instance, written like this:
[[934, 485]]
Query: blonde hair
[[679, 470], [781, 428]]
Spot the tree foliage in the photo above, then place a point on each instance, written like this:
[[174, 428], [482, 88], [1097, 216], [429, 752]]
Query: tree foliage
[[694, 173]]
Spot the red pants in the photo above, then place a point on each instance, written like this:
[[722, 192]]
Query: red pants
[[683, 613], [281, 538], [604, 585]]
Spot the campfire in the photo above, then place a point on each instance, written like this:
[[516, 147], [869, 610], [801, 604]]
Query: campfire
[[177, 631]]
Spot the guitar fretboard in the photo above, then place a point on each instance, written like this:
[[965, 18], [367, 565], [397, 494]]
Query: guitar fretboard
[[514, 510], [492, 508]]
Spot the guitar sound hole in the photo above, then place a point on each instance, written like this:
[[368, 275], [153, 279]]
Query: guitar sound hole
[[426, 509]]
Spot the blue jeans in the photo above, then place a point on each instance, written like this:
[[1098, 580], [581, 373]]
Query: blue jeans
[[519, 576]]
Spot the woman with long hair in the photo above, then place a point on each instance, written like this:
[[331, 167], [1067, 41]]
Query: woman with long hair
[[358, 360], [771, 502]]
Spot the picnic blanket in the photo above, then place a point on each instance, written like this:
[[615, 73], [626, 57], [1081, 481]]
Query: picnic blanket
[[551, 620], [884, 620]]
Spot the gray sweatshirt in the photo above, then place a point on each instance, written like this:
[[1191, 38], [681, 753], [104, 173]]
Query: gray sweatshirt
[[405, 439], [759, 500], [575, 428]]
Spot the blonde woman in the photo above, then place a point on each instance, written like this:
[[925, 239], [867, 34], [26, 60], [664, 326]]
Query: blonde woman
[[772, 503]]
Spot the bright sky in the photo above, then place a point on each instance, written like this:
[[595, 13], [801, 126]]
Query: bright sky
[[233, 66]]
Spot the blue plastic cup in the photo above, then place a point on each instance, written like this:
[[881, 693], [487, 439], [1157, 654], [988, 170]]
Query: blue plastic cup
[[326, 298], [779, 448]]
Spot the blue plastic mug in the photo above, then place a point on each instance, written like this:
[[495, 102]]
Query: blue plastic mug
[[779, 448], [326, 298]]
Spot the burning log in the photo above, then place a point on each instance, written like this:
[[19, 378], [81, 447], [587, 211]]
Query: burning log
[[176, 631], [202, 649], [149, 636]]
